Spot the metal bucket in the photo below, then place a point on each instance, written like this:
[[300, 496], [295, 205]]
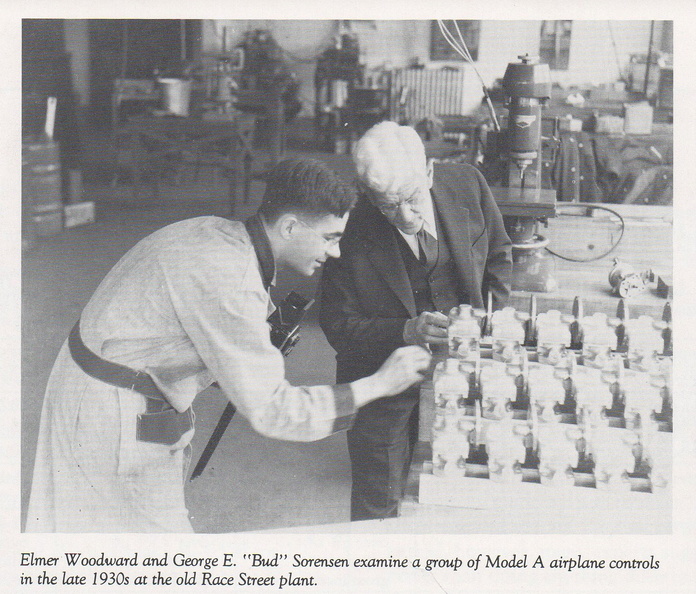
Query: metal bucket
[[176, 95]]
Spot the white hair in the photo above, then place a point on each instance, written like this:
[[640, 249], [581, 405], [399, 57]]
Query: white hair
[[389, 157]]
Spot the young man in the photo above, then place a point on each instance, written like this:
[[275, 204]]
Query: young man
[[421, 240], [183, 308]]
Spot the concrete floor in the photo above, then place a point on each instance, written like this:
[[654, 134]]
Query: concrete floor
[[251, 482]]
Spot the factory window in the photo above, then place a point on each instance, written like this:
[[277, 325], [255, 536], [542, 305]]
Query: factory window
[[441, 50], [554, 44]]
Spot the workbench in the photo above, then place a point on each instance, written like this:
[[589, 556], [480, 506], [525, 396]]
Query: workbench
[[646, 244], [150, 142], [508, 512], [270, 109], [132, 91]]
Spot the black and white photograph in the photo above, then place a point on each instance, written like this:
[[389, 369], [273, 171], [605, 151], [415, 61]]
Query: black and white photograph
[[369, 305]]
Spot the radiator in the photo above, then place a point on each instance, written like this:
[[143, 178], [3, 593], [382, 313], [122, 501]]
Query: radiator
[[427, 92]]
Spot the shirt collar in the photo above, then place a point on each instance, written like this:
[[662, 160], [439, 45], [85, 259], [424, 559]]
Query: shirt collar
[[262, 247], [429, 217], [428, 214]]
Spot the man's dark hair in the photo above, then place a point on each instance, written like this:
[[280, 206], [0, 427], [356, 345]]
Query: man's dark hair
[[305, 186]]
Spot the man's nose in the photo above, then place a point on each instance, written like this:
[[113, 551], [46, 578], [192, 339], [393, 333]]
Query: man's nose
[[405, 212], [334, 251]]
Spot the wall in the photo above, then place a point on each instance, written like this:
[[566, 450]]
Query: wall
[[593, 58], [77, 45]]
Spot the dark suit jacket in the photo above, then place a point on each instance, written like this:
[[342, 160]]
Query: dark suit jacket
[[366, 295]]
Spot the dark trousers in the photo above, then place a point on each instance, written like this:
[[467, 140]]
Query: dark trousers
[[381, 445]]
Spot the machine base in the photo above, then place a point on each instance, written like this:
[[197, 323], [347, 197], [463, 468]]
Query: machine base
[[533, 267]]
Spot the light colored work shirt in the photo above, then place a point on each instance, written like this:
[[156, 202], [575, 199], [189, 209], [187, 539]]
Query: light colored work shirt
[[188, 305]]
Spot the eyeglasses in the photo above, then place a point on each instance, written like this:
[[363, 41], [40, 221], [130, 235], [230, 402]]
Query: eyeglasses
[[331, 242], [391, 209]]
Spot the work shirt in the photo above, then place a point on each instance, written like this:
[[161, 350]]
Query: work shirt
[[188, 305]]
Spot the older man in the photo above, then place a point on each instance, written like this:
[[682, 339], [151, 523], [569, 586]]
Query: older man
[[421, 240]]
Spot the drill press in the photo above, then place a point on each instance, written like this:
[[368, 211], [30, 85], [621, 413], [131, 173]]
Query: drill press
[[518, 192]]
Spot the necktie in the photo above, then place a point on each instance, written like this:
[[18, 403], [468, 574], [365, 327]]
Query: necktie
[[427, 249]]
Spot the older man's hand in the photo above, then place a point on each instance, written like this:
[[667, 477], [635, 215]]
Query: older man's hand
[[430, 327]]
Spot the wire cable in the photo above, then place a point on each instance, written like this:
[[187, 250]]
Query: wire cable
[[616, 50], [461, 40], [449, 38], [587, 209], [464, 52]]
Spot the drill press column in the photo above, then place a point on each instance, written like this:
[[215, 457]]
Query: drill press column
[[522, 201]]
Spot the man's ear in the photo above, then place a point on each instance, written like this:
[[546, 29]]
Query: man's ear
[[429, 172], [287, 224]]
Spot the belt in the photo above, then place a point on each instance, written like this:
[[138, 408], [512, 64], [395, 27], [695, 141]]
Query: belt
[[161, 423]]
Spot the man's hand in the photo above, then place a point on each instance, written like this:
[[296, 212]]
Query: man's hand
[[403, 368], [427, 328]]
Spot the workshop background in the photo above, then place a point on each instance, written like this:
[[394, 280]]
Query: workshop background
[[129, 125]]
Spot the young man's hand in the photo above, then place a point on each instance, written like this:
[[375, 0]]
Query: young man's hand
[[404, 367]]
